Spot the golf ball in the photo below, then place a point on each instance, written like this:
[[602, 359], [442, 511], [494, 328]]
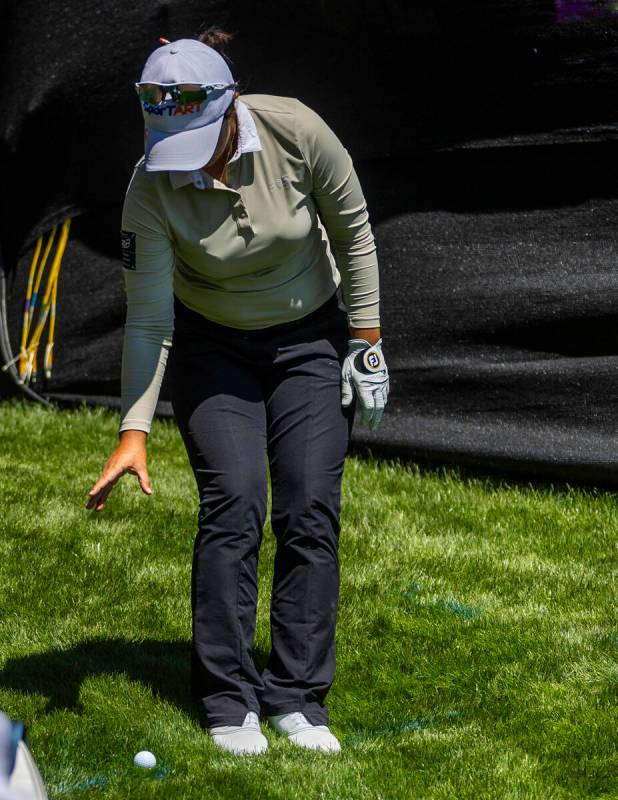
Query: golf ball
[[144, 759]]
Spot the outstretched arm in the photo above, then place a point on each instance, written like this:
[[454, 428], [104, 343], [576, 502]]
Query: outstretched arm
[[148, 268]]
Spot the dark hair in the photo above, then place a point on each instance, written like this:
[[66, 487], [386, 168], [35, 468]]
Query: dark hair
[[217, 38]]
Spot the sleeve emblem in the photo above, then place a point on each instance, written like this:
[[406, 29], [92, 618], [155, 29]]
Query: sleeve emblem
[[127, 249]]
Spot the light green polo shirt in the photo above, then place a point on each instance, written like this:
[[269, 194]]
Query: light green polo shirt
[[268, 248]]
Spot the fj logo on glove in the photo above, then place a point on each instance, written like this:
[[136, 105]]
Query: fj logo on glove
[[364, 374], [372, 360]]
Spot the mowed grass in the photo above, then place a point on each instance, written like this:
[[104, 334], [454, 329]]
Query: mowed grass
[[477, 639]]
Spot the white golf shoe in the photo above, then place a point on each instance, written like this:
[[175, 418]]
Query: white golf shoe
[[301, 732], [245, 739]]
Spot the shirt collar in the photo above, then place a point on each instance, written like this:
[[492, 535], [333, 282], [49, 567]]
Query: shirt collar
[[248, 142]]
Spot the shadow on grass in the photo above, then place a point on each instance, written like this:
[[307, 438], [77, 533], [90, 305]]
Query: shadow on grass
[[164, 666], [497, 474]]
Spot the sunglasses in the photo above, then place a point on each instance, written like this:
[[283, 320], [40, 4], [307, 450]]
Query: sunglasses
[[183, 94]]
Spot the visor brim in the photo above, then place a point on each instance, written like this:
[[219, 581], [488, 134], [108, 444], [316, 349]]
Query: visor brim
[[181, 150]]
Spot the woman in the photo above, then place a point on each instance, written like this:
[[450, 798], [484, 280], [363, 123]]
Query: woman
[[224, 251]]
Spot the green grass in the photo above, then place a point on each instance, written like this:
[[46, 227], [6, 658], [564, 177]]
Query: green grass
[[477, 639]]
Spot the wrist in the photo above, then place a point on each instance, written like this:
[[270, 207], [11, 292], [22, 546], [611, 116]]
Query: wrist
[[133, 436], [371, 335]]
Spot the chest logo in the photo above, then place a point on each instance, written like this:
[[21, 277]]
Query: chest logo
[[279, 183]]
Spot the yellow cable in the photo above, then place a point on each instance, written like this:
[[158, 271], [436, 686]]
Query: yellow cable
[[24, 378], [26, 315], [47, 361], [44, 313], [42, 265], [52, 321]]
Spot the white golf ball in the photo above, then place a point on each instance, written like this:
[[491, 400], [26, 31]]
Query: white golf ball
[[145, 759]]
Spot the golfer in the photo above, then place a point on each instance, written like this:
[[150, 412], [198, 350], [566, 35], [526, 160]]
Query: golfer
[[272, 341]]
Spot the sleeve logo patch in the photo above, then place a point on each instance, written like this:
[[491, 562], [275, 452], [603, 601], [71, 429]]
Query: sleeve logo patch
[[127, 249]]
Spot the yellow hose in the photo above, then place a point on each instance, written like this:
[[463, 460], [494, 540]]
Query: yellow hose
[[48, 306]]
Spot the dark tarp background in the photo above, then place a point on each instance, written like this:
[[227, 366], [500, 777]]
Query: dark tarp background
[[484, 135]]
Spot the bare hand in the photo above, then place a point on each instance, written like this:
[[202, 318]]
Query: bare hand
[[129, 456]]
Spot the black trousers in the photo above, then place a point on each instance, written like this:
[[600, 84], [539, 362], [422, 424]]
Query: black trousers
[[245, 401]]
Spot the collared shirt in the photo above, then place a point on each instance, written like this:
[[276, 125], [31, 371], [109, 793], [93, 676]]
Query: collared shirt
[[250, 254], [248, 142]]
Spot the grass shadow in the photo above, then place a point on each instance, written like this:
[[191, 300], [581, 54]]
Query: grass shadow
[[58, 674], [495, 474]]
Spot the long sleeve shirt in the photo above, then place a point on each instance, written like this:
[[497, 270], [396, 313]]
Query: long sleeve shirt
[[252, 253]]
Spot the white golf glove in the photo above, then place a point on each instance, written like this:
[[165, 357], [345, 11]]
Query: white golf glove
[[364, 371]]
